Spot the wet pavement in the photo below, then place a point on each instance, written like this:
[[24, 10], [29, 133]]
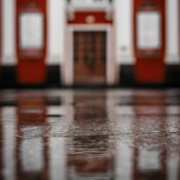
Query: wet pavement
[[90, 134]]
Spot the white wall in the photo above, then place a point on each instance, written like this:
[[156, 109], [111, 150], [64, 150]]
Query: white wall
[[56, 20], [8, 32]]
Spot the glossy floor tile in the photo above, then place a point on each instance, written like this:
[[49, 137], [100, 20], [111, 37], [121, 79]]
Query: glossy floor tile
[[90, 134]]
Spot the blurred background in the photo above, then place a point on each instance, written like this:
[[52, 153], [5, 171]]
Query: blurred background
[[56, 43]]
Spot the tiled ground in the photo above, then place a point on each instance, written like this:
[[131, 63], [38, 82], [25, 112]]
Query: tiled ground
[[90, 134]]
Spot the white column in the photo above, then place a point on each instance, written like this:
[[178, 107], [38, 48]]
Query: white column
[[124, 31], [8, 32], [172, 32], [56, 22]]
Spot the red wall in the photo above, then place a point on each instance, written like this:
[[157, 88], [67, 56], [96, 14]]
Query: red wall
[[150, 68], [31, 67]]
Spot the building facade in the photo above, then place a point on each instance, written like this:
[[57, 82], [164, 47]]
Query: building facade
[[89, 42]]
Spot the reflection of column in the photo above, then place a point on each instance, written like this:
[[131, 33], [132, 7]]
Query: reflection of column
[[65, 112], [172, 127], [150, 113], [59, 116], [1, 145], [68, 106], [57, 158], [173, 166], [120, 115], [124, 162], [89, 155], [31, 152], [179, 167], [8, 120]]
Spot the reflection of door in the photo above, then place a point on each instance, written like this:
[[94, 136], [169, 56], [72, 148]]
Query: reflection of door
[[90, 57], [91, 153]]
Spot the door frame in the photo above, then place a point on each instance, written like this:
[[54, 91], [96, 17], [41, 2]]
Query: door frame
[[68, 63]]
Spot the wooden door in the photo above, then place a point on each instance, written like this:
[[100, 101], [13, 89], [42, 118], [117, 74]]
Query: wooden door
[[90, 58]]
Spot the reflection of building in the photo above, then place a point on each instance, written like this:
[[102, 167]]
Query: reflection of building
[[148, 123], [88, 42], [25, 152], [28, 148], [32, 153], [149, 163], [90, 156]]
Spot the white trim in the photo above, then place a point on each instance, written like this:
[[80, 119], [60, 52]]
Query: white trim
[[89, 8], [90, 5], [67, 73]]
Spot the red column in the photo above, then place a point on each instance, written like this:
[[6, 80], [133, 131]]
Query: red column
[[149, 40], [31, 41]]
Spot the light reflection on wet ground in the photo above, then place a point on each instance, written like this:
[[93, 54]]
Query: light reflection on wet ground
[[83, 134]]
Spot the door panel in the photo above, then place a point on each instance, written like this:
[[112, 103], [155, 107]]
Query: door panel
[[90, 58], [149, 40], [31, 20]]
